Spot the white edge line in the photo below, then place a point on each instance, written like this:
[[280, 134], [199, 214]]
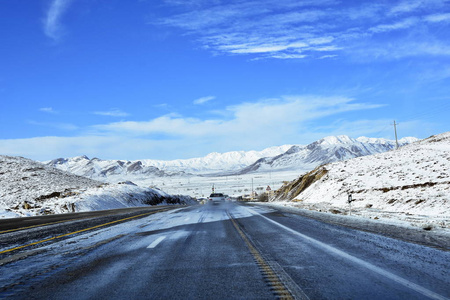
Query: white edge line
[[358, 261], [156, 242]]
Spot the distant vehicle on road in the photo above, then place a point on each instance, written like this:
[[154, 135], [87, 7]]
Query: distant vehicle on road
[[217, 198]]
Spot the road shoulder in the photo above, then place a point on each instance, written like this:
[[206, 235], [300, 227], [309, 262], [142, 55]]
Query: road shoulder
[[439, 239]]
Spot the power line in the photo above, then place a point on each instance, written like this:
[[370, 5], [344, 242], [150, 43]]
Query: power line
[[414, 117], [433, 111]]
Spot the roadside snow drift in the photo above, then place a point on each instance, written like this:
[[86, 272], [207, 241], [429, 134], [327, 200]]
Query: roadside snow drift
[[31, 188]]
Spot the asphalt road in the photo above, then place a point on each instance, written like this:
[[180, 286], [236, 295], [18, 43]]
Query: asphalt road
[[15, 223], [225, 251]]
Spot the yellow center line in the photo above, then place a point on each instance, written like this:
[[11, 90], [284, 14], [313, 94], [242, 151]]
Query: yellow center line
[[275, 282], [33, 226], [82, 230]]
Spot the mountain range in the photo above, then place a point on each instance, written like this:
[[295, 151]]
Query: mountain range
[[326, 150], [279, 158]]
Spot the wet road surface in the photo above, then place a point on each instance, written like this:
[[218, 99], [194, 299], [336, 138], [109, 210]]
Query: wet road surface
[[225, 251]]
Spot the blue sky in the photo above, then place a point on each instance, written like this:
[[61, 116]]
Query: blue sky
[[169, 79]]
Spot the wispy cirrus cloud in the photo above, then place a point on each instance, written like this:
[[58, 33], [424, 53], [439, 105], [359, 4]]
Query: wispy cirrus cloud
[[409, 6], [403, 24], [49, 110], [203, 100], [437, 18], [114, 112], [55, 125], [287, 29], [52, 21]]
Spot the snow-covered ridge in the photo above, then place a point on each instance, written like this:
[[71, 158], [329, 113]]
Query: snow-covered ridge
[[326, 150], [214, 162], [415, 179], [32, 188], [217, 162]]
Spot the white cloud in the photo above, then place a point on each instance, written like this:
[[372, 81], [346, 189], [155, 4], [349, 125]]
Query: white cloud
[[112, 113], [437, 18], [404, 48], [327, 56], [61, 126], [288, 56], [274, 118], [406, 6], [127, 147], [51, 147], [52, 22], [404, 24], [203, 100], [286, 29], [254, 125], [49, 110]]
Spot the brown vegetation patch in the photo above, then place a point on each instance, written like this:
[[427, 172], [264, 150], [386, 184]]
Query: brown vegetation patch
[[292, 189], [52, 195]]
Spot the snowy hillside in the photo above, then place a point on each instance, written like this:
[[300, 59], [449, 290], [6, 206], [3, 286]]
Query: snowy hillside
[[119, 169], [326, 150], [32, 188], [414, 179]]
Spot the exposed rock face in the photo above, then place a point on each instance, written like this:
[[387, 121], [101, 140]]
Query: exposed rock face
[[292, 189]]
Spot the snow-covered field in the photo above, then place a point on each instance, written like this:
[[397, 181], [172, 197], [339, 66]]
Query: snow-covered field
[[30, 188], [411, 184], [235, 185]]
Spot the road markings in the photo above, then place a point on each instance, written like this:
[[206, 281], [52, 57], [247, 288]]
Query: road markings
[[28, 227], [82, 230], [276, 285], [358, 261], [156, 242]]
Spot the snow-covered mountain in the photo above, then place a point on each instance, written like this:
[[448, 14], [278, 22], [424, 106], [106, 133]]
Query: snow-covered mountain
[[99, 169], [280, 158], [326, 150], [217, 162], [32, 188], [414, 179], [214, 162]]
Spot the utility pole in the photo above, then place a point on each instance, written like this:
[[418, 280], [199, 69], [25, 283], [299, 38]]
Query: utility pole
[[252, 189], [395, 130]]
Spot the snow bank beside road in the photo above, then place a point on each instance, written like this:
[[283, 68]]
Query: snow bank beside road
[[124, 195]]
